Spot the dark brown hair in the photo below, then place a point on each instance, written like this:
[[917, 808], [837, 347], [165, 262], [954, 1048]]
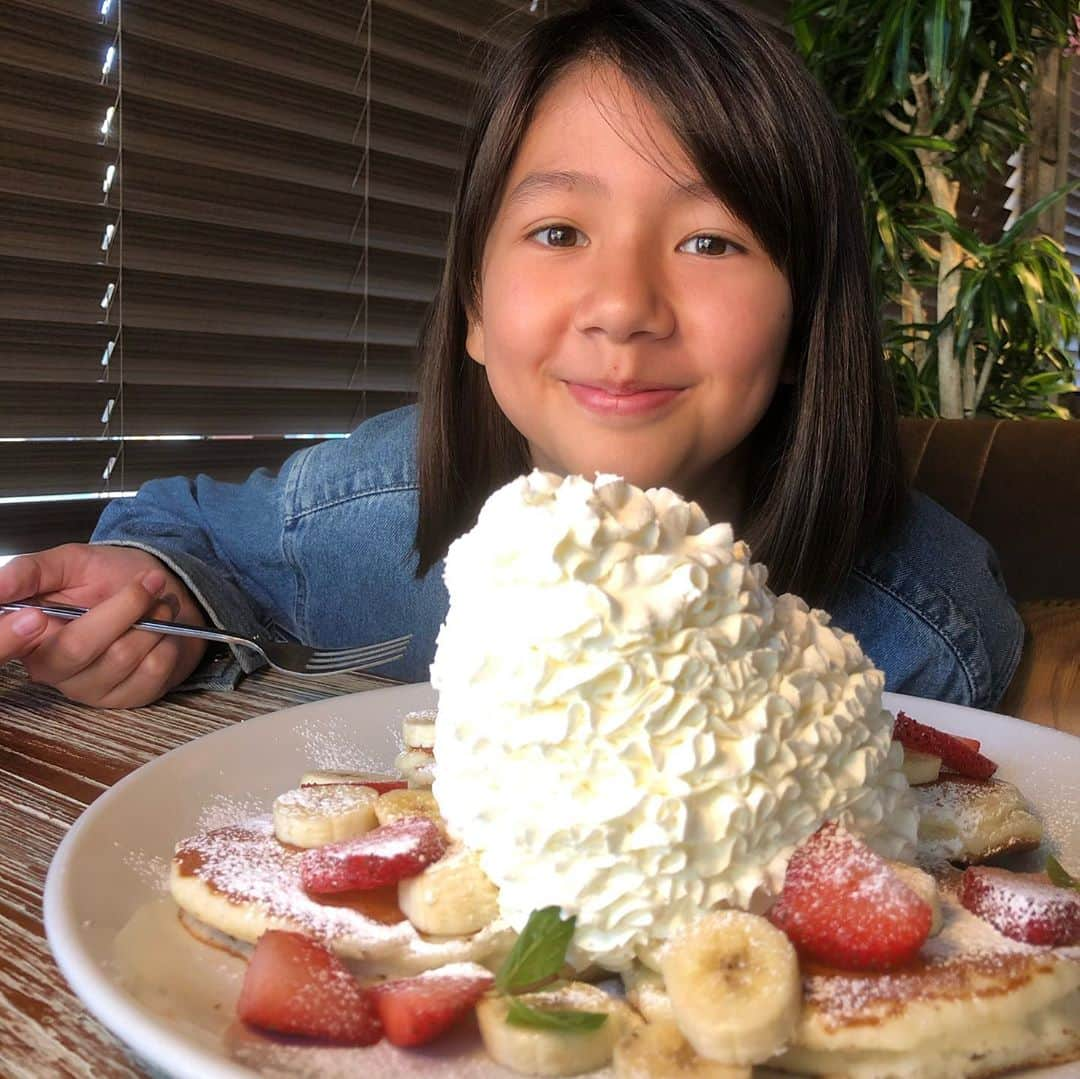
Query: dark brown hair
[[825, 476]]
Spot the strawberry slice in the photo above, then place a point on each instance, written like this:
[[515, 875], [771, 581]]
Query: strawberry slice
[[415, 1011], [843, 905], [382, 856], [955, 754], [1023, 906], [294, 985], [971, 743]]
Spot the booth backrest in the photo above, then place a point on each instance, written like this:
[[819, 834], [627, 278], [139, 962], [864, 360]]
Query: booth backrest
[[1016, 482]]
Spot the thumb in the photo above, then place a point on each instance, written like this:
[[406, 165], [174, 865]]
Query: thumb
[[32, 574]]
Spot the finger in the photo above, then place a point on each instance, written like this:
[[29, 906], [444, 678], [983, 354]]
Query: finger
[[117, 663], [81, 642], [152, 678], [21, 633], [30, 575]]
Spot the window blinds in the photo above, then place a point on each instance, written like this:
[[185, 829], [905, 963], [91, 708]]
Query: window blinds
[[220, 219]]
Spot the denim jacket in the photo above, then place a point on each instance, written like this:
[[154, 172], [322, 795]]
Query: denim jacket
[[322, 552]]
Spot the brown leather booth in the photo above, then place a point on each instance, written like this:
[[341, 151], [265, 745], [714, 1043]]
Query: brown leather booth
[[1017, 482]]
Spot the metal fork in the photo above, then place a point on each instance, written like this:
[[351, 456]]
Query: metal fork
[[291, 658]]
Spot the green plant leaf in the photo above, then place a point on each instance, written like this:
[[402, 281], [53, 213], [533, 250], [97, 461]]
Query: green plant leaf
[[538, 953], [963, 23], [926, 142], [936, 29], [1008, 20], [805, 38], [521, 1015], [878, 61], [902, 56], [885, 231], [1035, 209]]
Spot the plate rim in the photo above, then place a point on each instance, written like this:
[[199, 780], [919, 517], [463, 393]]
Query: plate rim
[[151, 1039]]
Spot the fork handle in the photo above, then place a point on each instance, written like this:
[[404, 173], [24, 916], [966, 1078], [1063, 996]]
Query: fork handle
[[176, 629]]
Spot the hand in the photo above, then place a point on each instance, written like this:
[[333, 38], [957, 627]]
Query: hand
[[98, 659]]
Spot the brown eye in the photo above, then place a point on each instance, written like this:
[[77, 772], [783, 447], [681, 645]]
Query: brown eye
[[707, 245], [558, 236]]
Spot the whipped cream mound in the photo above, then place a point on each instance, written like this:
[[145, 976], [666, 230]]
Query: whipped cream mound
[[632, 727]]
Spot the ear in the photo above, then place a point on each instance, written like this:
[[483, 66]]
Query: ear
[[474, 339]]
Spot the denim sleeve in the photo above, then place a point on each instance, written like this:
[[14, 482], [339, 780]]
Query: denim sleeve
[[226, 542], [931, 646], [931, 609]]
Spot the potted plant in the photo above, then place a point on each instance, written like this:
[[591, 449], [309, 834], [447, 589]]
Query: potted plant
[[934, 94]]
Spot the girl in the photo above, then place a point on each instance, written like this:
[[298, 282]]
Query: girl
[[656, 268]]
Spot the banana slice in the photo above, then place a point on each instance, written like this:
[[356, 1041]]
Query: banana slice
[[925, 887], [418, 729], [659, 1051], [393, 805], [417, 766], [920, 767], [324, 776], [733, 979], [453, 897], [646, 992], [314, 816], [534, 1051]]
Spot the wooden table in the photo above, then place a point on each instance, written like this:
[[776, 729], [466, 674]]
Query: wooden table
[[56, 757]]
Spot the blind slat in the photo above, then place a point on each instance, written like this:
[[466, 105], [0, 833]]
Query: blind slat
[[60, 409], [54, 291], [46, 352], [218, 254], [75, 467]]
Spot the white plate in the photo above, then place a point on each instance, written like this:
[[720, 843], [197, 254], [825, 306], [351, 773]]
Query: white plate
[[175, 1013]]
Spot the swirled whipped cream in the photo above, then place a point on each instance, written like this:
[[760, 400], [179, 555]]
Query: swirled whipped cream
[[632, 727]]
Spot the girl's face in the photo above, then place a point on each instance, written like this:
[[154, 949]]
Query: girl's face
[[628, 322]]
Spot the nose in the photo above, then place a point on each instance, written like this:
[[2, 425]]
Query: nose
[[625, 297]]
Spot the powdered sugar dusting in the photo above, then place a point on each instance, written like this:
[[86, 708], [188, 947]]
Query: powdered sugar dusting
[[334, 751], [153, 871], [1023, 905], [247, 864], [387, 842], [327, 798], [222, 811]]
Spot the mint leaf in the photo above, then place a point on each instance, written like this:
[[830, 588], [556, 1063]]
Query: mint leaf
[[1059, 875], [538, 953], [521, 1015]]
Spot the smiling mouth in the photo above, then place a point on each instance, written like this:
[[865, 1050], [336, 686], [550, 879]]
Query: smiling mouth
[[624, 399]]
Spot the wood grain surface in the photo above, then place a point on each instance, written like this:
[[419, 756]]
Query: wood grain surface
[[56, 757]]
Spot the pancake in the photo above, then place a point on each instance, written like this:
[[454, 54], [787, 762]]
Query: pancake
[[240, 881], [974, 1004], [968, 821]]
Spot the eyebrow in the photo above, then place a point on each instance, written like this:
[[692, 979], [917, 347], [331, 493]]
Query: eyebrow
[[537, 183]]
